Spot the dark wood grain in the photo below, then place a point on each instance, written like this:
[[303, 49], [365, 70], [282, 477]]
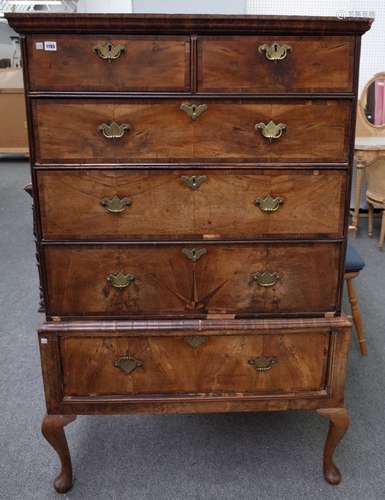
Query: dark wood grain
[[167, 282], [212, 60], [163, 206], [329, 397], [147, 64], [171, 365], [182, 23], [66, 131], [234, 64]]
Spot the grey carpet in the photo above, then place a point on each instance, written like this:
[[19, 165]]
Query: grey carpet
[[247, 456]]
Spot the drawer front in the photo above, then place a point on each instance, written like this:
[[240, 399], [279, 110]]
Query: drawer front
[[175, 279], [116, 63], [269, 64], [219, 364], [208, 204], [108, 131]]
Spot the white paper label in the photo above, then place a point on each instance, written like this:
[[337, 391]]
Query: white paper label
[[49, 45], [39, 45], [44, 340]]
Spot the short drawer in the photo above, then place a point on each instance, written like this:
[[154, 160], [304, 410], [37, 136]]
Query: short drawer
[[266, 64], [109, 63], [141, 131], [169, 279], [197, 204], [216, 365]]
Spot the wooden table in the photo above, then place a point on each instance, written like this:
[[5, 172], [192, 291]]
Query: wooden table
[[367, 150]]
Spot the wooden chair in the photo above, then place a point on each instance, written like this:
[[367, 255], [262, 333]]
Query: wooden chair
[[353, 265], [375, 196]]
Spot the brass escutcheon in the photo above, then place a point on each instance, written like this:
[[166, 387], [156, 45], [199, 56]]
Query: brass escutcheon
[[120, 280], [127, 364], [195, 341], [265, 278], [271, 130], [263, 363], [275, 51], [193, 110], [113, 130], [193, 181], [268, 203], [108, 51], [194, 253], [115, 205]]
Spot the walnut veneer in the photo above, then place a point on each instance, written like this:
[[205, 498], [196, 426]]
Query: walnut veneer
[[191, 180]]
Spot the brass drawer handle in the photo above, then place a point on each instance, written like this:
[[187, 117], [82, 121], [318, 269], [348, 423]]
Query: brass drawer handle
[[108, 51], [115, 205], [193, 110], [194, 253], [271, 130], [113, 130], [275, 51], [269, 203], [263, 363], [120, 280], [193, 181], [265, 278], [127, 364]]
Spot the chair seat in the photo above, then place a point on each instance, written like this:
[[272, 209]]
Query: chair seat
[[354, 262], [377, 202]]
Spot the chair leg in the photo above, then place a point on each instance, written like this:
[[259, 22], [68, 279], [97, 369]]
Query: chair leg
[[382, 233], [357, 318], [370, 220]]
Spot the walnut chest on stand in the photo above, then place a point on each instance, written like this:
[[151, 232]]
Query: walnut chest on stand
[[191, 181]]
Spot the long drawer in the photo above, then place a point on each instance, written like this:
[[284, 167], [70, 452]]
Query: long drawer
[[198, 204], [101, 63], [269, 64], [128, 131], [172, 279], [217, 364]]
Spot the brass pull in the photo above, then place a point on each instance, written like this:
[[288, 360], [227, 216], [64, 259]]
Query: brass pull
[[271, 130], [193, 110], [113, 130], [193, 181], [275, 51], [115, 205], [120, 280], [194, 253], [269, 203], [263, 363], [108, 51], [265, 278], [195, 341], [127, 364]]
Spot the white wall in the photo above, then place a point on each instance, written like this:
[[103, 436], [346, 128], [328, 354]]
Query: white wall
[[104, 6], [190, 6]]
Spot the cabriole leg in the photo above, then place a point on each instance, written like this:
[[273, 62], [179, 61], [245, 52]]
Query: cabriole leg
[[339, 423], [53, 430]]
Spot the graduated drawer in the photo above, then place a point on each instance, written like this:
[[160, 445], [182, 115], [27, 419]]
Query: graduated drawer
[[128, 131], [198, 204], [268, 64], [109, 63], [217, 365], [161, 280]]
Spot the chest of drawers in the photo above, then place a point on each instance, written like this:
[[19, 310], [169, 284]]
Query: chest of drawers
[[190, 177]]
